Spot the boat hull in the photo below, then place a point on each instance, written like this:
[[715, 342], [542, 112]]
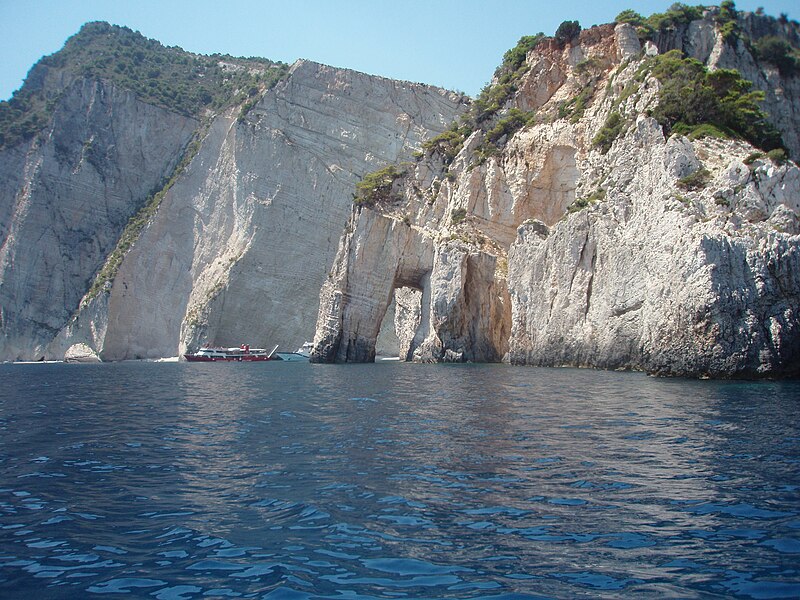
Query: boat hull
[[243, 358], [291, 356]]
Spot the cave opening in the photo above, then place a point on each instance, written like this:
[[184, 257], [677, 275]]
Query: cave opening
[[399, 333]]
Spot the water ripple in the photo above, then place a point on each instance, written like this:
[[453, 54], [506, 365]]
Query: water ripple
[[172, 482]]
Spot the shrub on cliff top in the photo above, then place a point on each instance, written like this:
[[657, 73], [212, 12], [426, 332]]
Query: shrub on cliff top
[[376, 186], [727, 9], [514, 58], [692, 95], [727, 20], [491, 100], [778, 52], [631, 17], [494, 96], [163, 75], [677, 14]]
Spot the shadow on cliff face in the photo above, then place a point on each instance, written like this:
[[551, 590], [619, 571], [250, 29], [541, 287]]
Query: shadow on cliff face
[[759, 316], [748, 328]]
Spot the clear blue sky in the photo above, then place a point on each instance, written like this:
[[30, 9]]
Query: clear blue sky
[[451, 43]]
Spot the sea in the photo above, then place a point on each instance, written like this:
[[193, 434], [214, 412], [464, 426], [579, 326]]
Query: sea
[[175, 481]]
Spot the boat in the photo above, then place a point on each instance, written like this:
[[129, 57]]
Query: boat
[[243, 353], [302, 353]]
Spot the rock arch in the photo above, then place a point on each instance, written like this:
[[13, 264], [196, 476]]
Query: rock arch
[[464, 309], [376, 255]]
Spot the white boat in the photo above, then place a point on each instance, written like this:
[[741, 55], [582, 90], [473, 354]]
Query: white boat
[[302, 353], [243, 353]]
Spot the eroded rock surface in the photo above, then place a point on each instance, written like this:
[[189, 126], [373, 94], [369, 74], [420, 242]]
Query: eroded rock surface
[[66, 197], [553, 250], [242, 241]]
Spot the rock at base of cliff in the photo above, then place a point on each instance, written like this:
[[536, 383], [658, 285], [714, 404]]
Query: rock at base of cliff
[[81, 353]]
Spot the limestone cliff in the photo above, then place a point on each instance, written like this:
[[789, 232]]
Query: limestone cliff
[[66, 196], [235, 241], [570, 229], [242, 243]]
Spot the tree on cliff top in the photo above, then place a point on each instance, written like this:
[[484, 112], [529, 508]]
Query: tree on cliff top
[[567, 31]]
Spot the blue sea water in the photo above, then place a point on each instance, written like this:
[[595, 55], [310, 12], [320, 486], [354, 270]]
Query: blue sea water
[[289, 480]]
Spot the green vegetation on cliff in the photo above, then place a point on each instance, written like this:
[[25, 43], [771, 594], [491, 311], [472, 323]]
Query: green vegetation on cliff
[[692, 96], [677, 14], [697, 102], [567, 31], [164, 76], [512, 121], [484, 112], [376, 186], [609, 132], [137, 223], [777, 51], [693, 100], [770, 48], [494, 96], [449, 143]]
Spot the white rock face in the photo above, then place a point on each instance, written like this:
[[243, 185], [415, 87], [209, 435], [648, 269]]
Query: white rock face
[[243, 241], [81, 353], [381, 253], [655, 281], [645, 272], [65, 198], [408, 315]]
